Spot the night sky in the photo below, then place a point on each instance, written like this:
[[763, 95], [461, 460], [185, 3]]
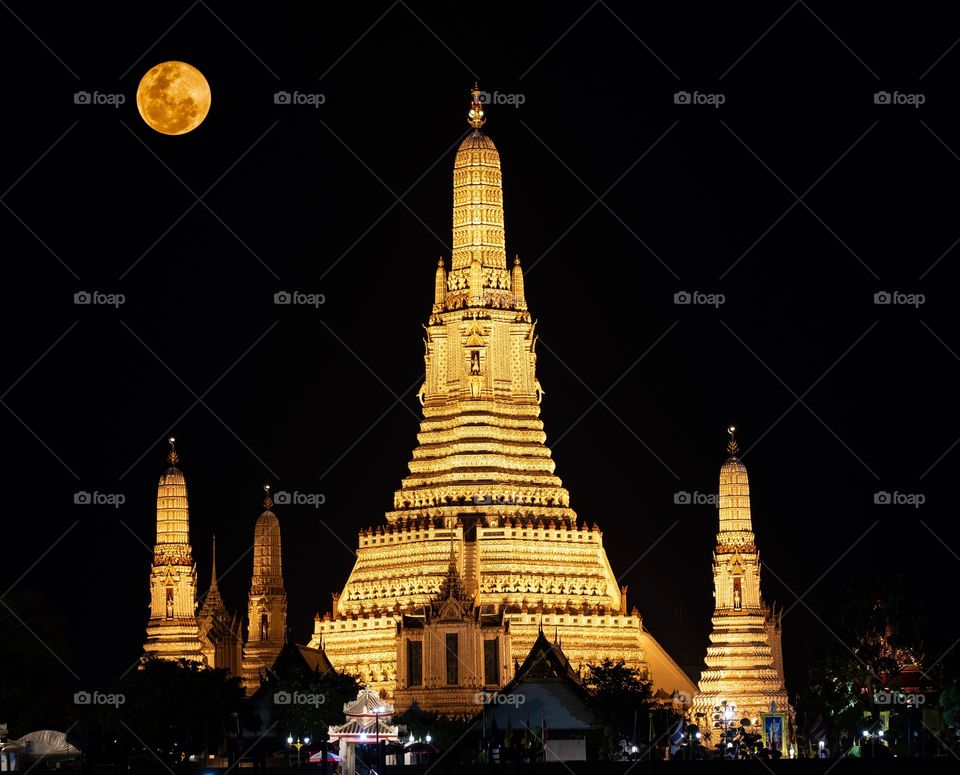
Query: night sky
[[798, 199]]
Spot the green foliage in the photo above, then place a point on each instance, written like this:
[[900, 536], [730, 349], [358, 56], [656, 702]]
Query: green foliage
[[444, 732], [35, 685], [950, 703], [878, 630], [618, 697], [322, 698], [178, 708]]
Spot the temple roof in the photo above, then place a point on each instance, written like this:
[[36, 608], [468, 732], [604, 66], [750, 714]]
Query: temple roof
[[367, 703], [546, 663]]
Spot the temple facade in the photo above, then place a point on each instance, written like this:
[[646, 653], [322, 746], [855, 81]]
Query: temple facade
[[482, 481], [743, 677]]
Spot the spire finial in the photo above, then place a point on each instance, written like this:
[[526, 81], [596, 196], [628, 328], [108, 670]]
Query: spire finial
[[213, 572], [475, 117], [732, 446], [267, 498], [172, 457]]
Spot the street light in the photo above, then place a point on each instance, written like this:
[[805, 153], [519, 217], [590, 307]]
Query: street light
[[428, 737], [298, 744]]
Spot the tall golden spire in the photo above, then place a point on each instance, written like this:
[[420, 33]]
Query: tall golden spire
[[744, 660], [475, 117], [172, 630], [516, 284], [267, 602], [478, 207], [439, 286], [736, 528], [173, 513], [213, 567], [212, 602]]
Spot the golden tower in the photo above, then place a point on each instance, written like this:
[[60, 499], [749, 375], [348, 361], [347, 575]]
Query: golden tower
[[482, 481], [172, 632], [743, 677], [267, 605]]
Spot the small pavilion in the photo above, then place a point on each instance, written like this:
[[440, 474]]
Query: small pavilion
[[367, 721]]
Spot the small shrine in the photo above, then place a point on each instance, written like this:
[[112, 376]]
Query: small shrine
[[367, 723]]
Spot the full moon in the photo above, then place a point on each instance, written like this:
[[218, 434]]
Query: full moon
[[173, 98]]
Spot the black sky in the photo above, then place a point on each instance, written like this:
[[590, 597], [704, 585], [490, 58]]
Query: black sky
[[836, 398]]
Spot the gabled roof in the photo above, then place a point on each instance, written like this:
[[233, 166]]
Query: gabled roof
[[294, 657], [314, 659], [546, 663], [368, 703]]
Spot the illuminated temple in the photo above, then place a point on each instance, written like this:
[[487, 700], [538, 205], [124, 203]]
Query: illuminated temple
[[743, 677], [172, 631], [482, 547], [183, 625]]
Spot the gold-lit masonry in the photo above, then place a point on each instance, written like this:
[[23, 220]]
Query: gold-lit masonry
[[481, 500], [744, 662], [267, 602], [172, 631], [210, 634]]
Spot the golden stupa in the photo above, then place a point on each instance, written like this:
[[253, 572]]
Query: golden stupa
[[482, 548], [172, 630], [743, 678]]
